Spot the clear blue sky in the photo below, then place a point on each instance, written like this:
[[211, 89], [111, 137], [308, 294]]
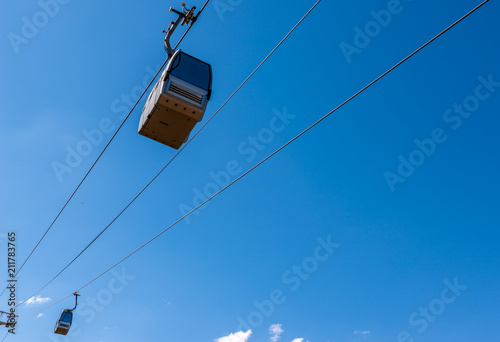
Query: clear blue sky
[[380, 224]]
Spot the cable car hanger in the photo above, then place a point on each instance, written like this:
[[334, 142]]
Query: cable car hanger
[[186, 16], [76, 300]]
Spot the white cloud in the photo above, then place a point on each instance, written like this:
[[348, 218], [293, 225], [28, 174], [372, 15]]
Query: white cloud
[[362, 333], [298, 340], [37, 300], [39, 315], [240, 336], [276, 331]]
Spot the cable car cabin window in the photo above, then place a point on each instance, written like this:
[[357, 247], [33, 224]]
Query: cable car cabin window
[[66, 317], [191, 70]]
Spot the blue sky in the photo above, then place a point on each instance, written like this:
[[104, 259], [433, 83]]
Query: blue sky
[[379, 224]]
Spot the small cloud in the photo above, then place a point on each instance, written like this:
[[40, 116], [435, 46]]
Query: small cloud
[[276, 331], [37, 300], [39, 315], [362, 333], [298, 340], [240, 336]]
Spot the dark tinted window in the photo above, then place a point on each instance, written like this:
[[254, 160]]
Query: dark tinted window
[[66, 317], [191, 70]]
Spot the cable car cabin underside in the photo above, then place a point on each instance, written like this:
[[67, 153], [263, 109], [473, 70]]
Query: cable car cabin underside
[[62, 328], [177, 101], [171, 114]]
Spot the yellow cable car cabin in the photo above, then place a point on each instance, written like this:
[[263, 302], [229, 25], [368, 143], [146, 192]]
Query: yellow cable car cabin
[[178, 100]]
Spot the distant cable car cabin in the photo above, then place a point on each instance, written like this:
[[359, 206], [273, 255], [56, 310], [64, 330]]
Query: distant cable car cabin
[[179, 99], [64, 321]]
